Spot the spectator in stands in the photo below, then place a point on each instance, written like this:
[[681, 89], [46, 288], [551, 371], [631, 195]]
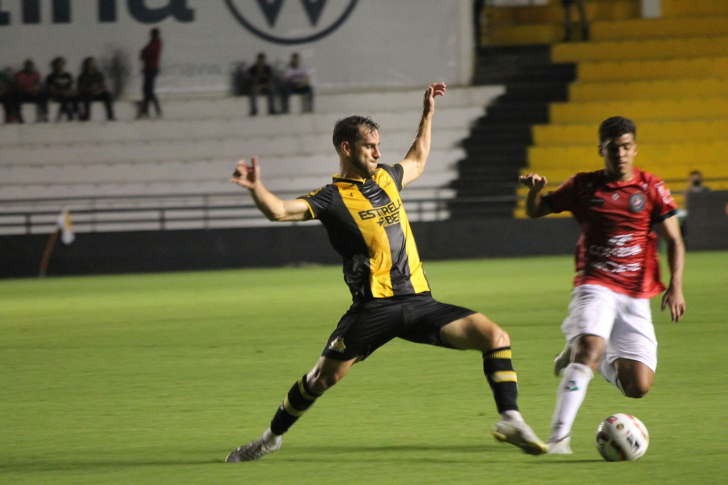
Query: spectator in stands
[[150, 56], [261, 81], [29, 89], [568, 4], [59, 86], [6, 97], [297, 81], [92, 87], [695, 184]]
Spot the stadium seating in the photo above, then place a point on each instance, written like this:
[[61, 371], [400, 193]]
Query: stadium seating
[[669, 74], [189, 155]]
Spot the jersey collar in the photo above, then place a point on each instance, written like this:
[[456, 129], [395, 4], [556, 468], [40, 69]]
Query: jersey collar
[[336, 178], [637, 179]]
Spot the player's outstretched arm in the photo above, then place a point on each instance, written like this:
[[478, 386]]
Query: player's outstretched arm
[[535, 207], [272, 207], [416, 158], [673, 298]]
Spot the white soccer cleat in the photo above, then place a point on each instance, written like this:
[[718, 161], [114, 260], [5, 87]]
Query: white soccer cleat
[[560, 447], [518, 433], [251, 452], [562, 361]]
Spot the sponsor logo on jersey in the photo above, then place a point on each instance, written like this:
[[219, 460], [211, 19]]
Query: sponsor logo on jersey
[[637, 202], [388, 214], [617, 248], [615, 196], [612, 267], [665, 193], [596, 201]]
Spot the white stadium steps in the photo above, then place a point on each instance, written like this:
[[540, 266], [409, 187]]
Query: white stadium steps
[[222, 117], [186, 159], [394, 145]]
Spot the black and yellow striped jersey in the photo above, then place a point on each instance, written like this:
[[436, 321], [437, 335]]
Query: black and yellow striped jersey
[[368, 227]]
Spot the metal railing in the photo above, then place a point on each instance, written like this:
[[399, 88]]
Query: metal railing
[[188, 211]]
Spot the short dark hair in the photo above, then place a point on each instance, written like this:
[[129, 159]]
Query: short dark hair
[[615, 127], [349, 130]]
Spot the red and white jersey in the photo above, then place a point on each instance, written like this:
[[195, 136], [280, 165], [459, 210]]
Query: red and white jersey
[[617, 247]]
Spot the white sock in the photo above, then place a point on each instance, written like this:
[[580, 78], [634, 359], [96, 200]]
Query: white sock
[[609, 372], [272, 441], [569, 396], [511, 416]]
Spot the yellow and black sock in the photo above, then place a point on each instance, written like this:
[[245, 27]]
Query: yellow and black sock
[[503, 381], [296, 402]]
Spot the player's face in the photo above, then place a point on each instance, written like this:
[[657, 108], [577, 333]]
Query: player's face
[[619, 156], [365, 155]]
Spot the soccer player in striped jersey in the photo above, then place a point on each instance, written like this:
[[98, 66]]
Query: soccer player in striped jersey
[[368, 226], [609, 328]]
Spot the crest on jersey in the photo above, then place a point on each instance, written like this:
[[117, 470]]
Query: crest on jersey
[[637, 202], [338, 345]]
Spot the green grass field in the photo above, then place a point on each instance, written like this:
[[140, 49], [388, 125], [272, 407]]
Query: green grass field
[[154, 379]]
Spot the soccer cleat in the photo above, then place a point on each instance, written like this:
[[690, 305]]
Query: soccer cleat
[[562, 360], [250, 452], [518, 433], [560, 447]]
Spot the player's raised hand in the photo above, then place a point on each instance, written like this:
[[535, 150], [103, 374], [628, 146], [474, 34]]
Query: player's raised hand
[[533, 181], [435, 89], [673, 298], [246, 175]]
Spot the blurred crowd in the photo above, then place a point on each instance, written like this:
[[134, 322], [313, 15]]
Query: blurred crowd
[[74, 96], [277, 84]]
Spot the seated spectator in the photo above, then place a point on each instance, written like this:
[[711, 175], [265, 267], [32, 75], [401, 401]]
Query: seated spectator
[[695, 184], [261, 81], [28, 89], [297, 81], [59, 86], [6, 98], [92, 87], [568, 4]]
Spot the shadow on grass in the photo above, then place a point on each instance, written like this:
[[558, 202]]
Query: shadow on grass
[[430, 453], [50, 466]]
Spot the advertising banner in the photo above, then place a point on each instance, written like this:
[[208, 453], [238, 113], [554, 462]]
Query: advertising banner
[[344, 43]]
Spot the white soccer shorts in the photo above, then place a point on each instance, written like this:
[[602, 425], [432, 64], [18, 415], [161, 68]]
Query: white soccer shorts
[[625, 323]]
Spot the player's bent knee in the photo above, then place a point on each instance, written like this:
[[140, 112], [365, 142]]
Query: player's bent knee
[[320, 382], [636, 390], [500, 338], [493, 336], [589, 350], [326, 374]]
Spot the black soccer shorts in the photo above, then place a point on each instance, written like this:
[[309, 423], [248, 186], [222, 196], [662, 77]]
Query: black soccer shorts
[[368, 325]]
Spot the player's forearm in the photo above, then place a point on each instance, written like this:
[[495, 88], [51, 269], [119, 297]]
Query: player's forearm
[[268, 203], [420, 148], [534, 204], [676, 261]]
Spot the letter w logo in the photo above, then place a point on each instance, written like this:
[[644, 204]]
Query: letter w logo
[[271, 9]]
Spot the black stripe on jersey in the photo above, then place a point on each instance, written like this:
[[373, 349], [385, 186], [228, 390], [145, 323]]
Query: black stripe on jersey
[[350, 244], [400, 272], [663, 217]]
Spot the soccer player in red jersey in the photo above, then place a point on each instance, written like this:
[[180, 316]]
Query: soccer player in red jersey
[[609, 328]]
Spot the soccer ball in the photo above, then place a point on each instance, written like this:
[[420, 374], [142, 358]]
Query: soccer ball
[[622, 437]]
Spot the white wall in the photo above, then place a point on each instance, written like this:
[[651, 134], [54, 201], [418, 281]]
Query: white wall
[[381, 43]]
